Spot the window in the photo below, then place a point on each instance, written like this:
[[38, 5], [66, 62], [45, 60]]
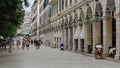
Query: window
[[70, 2], [66, 3], [62, 4], [59, 5], [45, 3]]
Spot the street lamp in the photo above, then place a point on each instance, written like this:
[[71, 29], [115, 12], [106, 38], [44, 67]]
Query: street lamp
[[80, 21], [87, 19], [96, 16], [74, 21], [107, 13], [59, 26], [65, 25]]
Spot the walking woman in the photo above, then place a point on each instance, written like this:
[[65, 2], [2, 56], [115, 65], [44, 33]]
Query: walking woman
[[10, 45]]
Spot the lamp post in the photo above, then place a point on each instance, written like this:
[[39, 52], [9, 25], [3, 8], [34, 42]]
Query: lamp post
[[74, 23], [107, 13], [80, 21], [87, 19], [96, 16]]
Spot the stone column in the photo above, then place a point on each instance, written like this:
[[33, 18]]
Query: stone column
[[64, 37], [96, 34], [107, 35], [117, 56], [87, 37], [73, 40], [79, 45], [69, 39], [79, 41]]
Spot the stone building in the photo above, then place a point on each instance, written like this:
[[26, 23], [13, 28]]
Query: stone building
[[82, 24], [25, 27]]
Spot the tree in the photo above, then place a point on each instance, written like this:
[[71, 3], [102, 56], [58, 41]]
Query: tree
[[11, 16]]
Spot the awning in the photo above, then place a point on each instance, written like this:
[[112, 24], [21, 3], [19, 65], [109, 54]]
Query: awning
[[76, 34], [81, 36]]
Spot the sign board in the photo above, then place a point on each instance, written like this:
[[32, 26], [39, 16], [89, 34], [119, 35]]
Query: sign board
[[98, 46]]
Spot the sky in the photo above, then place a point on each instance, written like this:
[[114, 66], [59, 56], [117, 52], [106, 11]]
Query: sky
[[28, 9]]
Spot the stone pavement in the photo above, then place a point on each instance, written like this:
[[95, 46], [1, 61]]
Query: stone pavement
[[46, 57]]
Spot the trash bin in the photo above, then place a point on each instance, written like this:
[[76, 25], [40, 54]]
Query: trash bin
[[98, 52]]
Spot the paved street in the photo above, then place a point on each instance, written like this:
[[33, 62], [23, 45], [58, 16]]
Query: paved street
[[47, 57]]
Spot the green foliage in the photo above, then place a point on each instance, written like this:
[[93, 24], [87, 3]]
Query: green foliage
[[11, 16]]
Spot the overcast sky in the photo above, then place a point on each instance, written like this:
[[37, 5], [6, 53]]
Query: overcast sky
[[28, 9]]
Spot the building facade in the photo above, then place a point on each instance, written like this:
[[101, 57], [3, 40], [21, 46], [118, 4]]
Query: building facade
[[82, 24], [25, 28]]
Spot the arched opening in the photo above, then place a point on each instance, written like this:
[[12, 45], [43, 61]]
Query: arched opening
[[75, 32], [111, 27], [70, 34], [98, 26], [89, 31], [81, 34]]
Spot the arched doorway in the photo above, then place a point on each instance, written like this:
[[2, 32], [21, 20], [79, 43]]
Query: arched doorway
[[75, 32], [70, 33], [110, 27], [81, 34], [88, 29], [97, 26]]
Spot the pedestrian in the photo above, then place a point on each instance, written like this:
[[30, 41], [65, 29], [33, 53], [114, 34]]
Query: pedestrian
[[23, 43], [38, 44], [18, 43], [10, 45], [27, 43], [62, 46]]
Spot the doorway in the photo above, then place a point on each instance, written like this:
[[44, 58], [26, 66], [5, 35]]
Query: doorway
[[82, 45], [76, 44]]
